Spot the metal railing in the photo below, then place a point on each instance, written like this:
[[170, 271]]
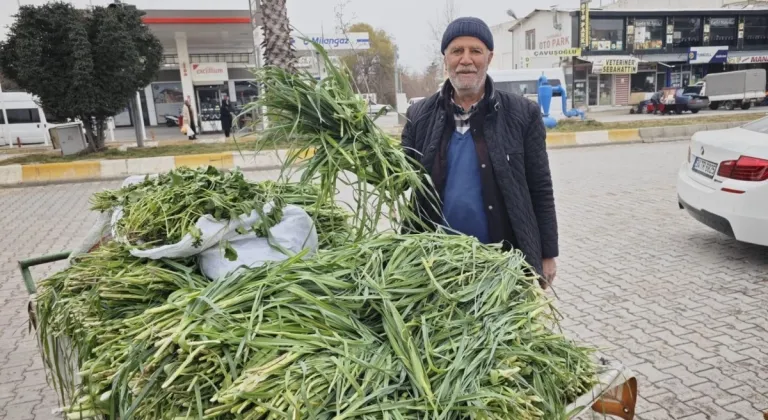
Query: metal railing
[[232, 58]]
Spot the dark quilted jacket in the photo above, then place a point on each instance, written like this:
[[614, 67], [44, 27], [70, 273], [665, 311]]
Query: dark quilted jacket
[[516, 140]]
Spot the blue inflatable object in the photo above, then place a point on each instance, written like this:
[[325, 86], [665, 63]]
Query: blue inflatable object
[[545, 93]]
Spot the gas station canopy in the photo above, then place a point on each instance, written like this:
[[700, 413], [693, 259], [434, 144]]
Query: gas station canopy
[[205, 30]]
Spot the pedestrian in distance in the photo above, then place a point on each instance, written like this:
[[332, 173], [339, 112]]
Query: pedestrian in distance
[[485, 151], [656, 101], [226, 115], [188, 115]]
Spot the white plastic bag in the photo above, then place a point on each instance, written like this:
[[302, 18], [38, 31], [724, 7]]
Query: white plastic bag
[[295, 232]]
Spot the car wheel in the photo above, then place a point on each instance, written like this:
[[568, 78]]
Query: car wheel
[[746, 105], [694, 111], [714, 106], [728, 105]]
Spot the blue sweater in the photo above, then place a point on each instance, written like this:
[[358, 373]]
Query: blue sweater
[[463, 205]]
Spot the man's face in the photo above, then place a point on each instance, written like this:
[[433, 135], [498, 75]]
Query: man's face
[[467, 60]]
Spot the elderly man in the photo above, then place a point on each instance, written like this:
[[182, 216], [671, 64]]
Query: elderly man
[[486, 153]]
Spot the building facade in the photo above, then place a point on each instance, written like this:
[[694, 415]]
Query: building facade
[[657, 4], [679, 4], [542, 39], [627, 54], [210, 49], [503, 58]]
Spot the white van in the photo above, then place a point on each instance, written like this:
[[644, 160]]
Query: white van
[[21, 120], [526, 81]]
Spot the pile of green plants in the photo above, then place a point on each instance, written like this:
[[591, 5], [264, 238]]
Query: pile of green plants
[[371, 326]]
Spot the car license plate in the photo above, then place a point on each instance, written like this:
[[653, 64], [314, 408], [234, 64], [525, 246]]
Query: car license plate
[[704, 167]]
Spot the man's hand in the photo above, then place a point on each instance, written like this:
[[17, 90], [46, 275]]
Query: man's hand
[[549, 271]]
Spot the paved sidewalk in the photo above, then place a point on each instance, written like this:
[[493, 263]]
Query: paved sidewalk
[[681, 305]]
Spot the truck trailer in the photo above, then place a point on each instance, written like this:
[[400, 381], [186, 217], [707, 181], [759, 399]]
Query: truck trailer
[[742, 88]]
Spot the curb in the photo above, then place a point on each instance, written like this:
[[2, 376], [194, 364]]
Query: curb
[[557, 140], [96, 170], [593, 138]]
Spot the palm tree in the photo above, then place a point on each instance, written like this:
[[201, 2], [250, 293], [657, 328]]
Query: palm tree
[[278, 50]]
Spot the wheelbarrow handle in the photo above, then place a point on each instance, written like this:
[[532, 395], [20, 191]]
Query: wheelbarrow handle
[[24, 265]]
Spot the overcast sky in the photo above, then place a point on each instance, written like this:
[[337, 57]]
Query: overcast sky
[[407, 21]]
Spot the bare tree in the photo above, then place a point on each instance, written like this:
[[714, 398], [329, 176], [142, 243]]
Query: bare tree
[[421, 84], [342, 23], [372, 70], [437, 27]]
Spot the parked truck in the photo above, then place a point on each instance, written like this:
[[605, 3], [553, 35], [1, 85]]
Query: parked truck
[[742, 88]]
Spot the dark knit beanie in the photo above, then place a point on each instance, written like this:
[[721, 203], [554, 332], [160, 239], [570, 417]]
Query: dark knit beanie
[[467, 26]]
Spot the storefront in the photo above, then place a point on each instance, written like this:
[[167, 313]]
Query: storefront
[[207, 54], [647, 79], [671, 48], [603, 81]]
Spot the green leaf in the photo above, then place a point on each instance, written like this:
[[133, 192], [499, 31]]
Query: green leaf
[[176, 179], [229, 252]]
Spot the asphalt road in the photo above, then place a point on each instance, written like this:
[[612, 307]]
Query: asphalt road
[[684, 307]]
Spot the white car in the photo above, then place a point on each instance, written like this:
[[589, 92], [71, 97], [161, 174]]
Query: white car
[[724, 181]]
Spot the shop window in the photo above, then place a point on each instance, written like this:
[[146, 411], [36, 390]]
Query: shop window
[[661, 80], [530, 39], [23, 116], [579, 93], [168, 98], [580, 73], [722, 31], [246, 92], [607, 35], [643, 82], [755, 30], [606, 90], [687, 32], [649, 34]]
